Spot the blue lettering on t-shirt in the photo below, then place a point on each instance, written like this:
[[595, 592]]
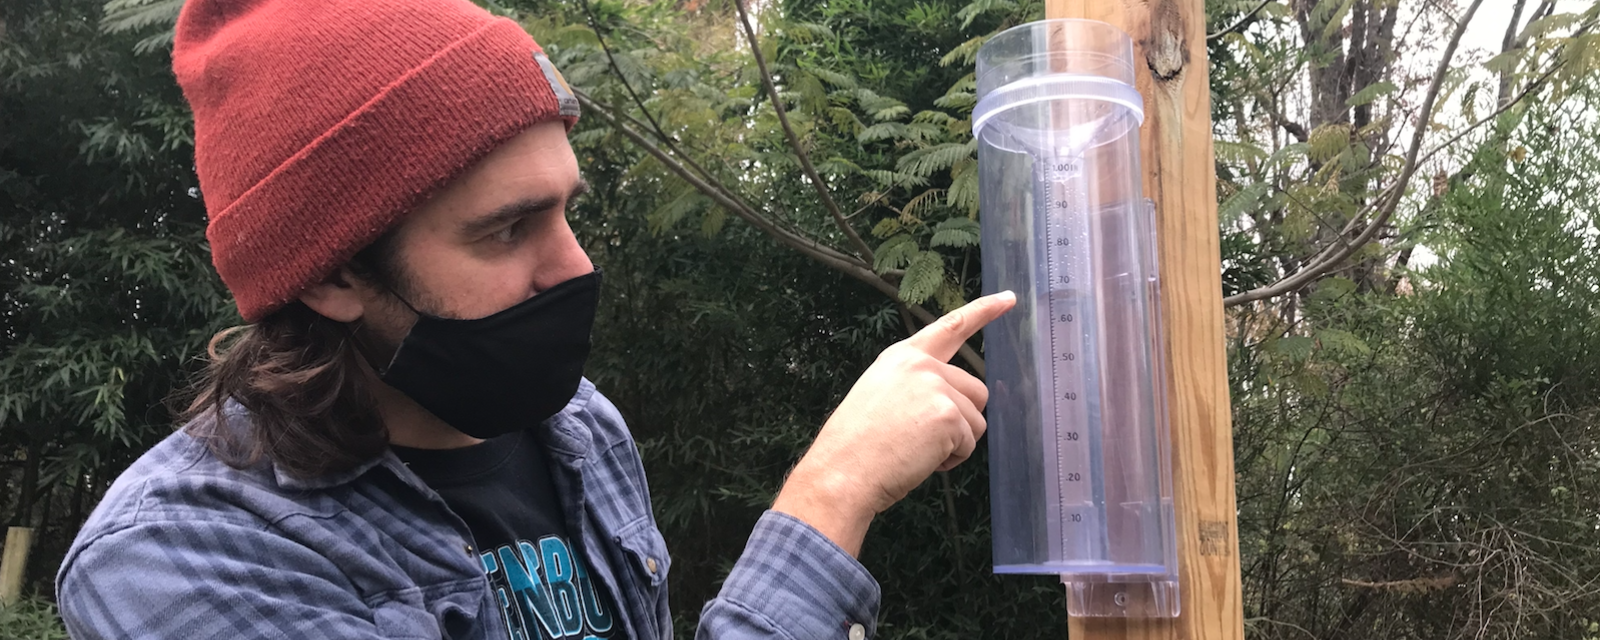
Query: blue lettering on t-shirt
[[594, 611], [545, 591]]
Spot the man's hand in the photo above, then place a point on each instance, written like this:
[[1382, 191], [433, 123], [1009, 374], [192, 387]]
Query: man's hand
[[910, 414]]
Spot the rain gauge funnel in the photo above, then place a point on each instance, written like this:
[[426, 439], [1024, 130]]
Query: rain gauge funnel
[[1079, 462]]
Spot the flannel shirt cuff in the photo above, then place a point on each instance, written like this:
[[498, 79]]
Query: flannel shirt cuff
[[802, 582]]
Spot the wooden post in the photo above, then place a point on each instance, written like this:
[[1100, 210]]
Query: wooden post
[[1169, 43], [14, 563]]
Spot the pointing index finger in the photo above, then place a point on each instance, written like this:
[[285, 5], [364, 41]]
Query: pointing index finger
[[945, 336]]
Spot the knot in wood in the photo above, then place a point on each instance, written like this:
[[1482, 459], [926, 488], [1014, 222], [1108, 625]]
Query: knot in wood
[[1166, 47]]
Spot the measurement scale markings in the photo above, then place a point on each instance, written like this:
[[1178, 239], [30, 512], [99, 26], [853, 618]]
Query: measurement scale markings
[[1065, 294]]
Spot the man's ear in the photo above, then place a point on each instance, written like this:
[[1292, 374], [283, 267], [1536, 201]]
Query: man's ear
[[339, 297]]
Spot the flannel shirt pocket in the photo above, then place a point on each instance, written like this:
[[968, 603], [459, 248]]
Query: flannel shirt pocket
[[647, 551]]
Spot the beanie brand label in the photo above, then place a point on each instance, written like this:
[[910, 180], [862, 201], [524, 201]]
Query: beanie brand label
[[566, 102]]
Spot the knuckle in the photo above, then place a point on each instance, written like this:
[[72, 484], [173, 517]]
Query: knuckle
[[954, 322]]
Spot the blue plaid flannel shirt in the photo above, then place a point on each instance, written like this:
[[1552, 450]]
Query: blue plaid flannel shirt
[[184, 546]]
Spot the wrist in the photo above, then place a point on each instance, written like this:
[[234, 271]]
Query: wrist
[[829, 502]]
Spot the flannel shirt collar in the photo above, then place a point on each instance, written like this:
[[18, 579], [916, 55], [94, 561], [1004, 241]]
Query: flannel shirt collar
[[563, 434]]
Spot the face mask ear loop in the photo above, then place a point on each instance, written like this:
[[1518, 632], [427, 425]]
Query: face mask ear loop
[[364, 347], [403, 301]]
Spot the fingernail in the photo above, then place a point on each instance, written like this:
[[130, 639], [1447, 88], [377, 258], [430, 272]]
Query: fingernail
[[1007, 296]]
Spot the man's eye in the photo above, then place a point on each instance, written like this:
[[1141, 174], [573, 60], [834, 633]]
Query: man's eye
[[506, 235]]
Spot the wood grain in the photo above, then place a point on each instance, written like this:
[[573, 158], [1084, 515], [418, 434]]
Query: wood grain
[[13, 566], [1179, 175]]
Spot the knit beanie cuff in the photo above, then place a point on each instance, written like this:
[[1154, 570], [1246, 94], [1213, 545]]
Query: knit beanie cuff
[[346, 187]]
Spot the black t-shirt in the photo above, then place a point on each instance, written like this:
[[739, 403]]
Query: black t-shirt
[[502, 489]]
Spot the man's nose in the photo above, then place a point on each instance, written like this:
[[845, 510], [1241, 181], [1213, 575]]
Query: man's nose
[[562, 259]]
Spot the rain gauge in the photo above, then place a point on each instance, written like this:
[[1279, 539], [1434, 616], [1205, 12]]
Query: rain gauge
[[1080, 471]]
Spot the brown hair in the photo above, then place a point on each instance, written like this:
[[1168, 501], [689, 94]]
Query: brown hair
[[300, 377]]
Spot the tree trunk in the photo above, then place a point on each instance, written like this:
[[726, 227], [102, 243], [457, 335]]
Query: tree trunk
[[30, 487]]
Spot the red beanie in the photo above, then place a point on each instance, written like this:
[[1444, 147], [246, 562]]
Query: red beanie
[[319, 124]]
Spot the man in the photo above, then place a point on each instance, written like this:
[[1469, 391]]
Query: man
[[401, 443]]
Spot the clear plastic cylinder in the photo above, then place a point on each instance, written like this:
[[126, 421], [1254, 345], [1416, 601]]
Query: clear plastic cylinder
[[1080, 474]]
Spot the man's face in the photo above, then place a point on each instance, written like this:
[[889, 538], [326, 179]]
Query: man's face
[[494, 237]]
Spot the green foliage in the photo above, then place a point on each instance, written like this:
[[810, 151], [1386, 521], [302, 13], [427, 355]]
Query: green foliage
[[1415, 443], [1423, 464], [1371, 92], [31, 619], [106, 287], [924, 274]]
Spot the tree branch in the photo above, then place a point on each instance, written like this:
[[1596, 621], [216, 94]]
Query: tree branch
[[828, 255], [594, 24], [670, 141], [1240, 22], [794, 140], [1533, 86], [1294, 128], [839, 261], [1387, 202]]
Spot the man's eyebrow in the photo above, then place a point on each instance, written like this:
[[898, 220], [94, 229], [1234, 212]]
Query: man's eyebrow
[[517, 210]]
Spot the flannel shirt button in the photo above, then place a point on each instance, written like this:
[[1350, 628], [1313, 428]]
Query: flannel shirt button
[[469, 549], [650, 563], [858, 632]]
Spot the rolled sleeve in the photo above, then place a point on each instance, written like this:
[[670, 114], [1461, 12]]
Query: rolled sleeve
[[792, 582]]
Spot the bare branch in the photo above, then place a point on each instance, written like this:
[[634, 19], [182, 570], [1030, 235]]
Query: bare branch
[[1387, 202], [794, 140], [842, 262], [827, 255], [1295, 129], [670, 141], [690, 162], [594, 24], [1413, 585], [1240, 22], [1512, 102]]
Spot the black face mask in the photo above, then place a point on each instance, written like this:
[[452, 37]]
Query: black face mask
[[501, 373]]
